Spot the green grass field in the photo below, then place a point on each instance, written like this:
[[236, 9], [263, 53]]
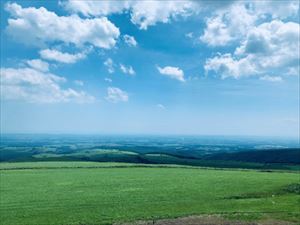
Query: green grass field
[[88, 193]]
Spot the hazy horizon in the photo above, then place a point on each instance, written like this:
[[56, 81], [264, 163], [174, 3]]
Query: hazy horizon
[[152, 135]]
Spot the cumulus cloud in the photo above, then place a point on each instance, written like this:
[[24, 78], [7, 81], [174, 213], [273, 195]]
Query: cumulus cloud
[[172, 72], [130, 40], [109, 63], [42, 26], [31, 85], [115, 95], [269, 47], [149, 13], [227, 65], [38, 65], [142, 13], [275, 38], [96, 8], [216, 32], [127, 70], [228, 25], [62, 57]]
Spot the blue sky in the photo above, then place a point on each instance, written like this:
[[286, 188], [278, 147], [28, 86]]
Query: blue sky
[[150, 67]]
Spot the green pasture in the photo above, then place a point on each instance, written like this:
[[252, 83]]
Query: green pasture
[[68, 193]]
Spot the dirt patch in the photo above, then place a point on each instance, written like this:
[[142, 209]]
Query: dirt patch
[[205, 220]]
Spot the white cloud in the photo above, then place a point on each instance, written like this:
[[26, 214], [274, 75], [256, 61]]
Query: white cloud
[[229, 24], [161, 106], [268, 48], [63, 57], [148, 13], [130, 40], [30, 85], [189, 35], [110, 65], [172, 72], [96, 8], [38, 65], [142, 13], [271, 78], [79, 82], [115, 95], [276, 9], [108, 79], [216, 32], [228, 66], [38, 26], [236, 15], [127, 70], [294, 71], [275, 41]]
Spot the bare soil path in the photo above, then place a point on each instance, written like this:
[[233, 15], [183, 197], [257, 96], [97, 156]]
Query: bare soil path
[[207, 220]]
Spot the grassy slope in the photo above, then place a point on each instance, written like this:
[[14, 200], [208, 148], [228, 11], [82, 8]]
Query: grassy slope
[[104, 195], [57, 165]]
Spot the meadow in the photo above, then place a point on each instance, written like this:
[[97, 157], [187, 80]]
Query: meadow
[[70, 193]]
